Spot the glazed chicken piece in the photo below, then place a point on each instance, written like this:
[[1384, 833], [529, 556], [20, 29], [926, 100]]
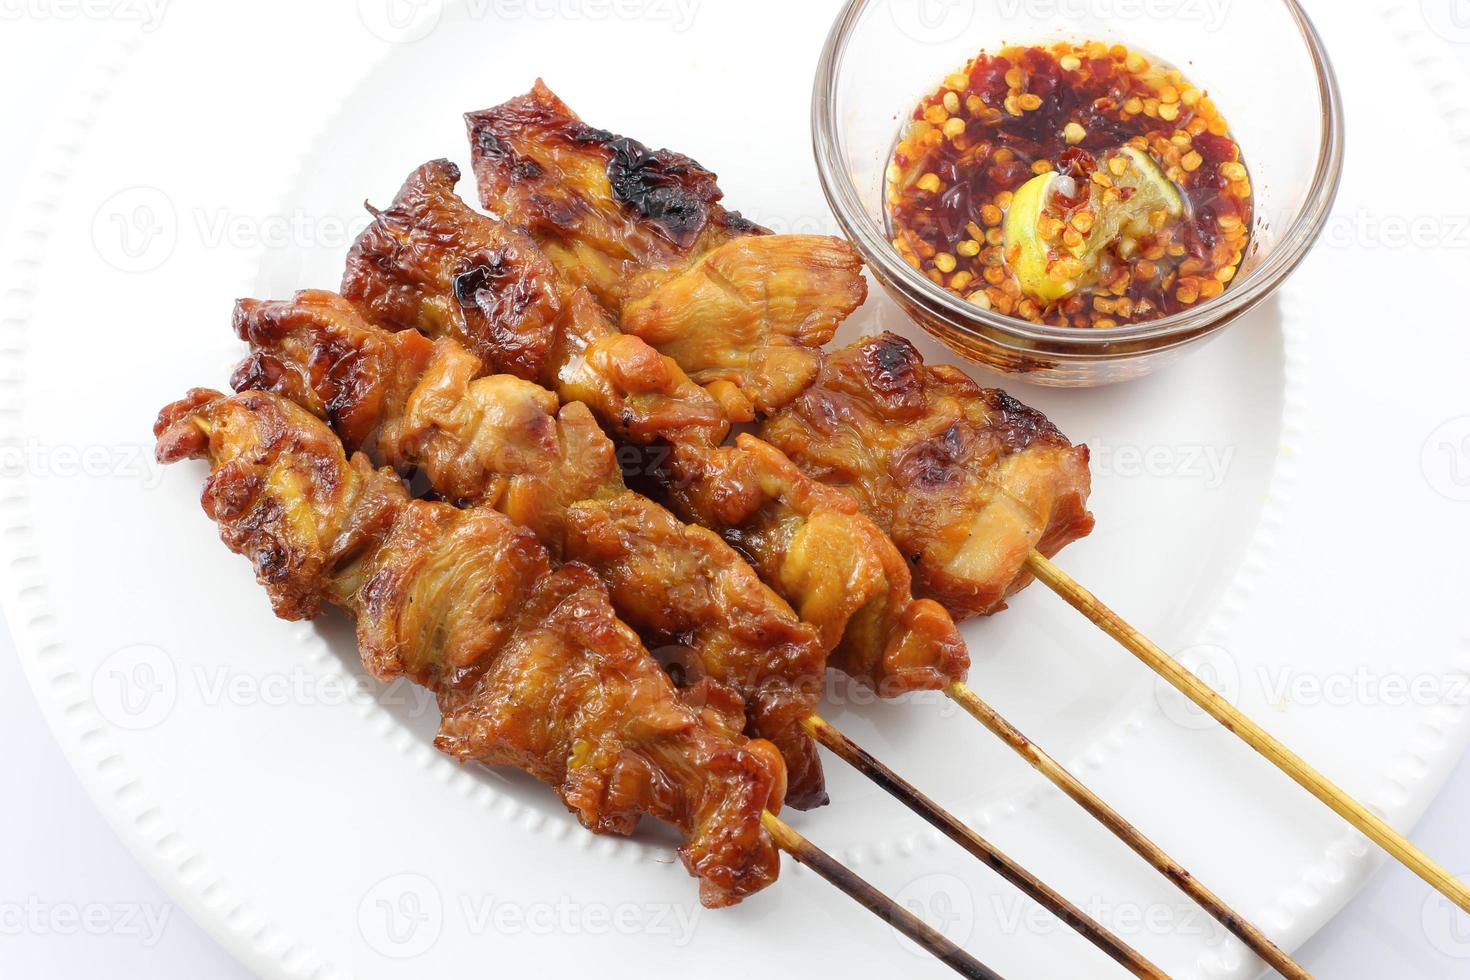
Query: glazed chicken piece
[[810, 544], [529, 664], [428, 407], [739, 309], [838, 568], [967, 480]]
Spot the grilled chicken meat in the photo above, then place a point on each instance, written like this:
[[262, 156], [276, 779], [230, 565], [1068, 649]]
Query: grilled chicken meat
[[428, 407], [529, 664], [966, 480], [739, 309], [811, 544]]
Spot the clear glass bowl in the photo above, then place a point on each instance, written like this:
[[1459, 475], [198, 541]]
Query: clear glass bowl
[[1261, 61]]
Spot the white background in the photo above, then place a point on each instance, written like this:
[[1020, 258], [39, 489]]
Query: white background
[[55, 851]]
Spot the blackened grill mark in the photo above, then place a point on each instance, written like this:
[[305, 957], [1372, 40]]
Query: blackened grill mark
[[669, 189], [469, 283], [494, 148], [260, 372], [349, 378], [894, 360], [739, 223], [582, 133], [270, 563], [650, 183], [890, 369], [490, 144], [1018, 425]]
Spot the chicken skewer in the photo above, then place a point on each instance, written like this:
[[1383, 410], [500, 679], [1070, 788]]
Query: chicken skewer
[[427, 407], [528, 663], [969, 483], [1005, 467], [426, 220]]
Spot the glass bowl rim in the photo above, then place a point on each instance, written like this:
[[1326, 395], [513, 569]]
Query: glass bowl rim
[[843, 197]]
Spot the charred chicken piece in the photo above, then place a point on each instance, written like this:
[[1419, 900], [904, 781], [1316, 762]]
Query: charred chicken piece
[[529, 664], [966, 480], [433, 285], [829, 561], [737, 307], [421, 266], [424, 406]]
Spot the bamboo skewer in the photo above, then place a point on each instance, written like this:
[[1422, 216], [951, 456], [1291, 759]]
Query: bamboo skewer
[[1217, 707], [1243, 930], [885, 908], [947, 824]]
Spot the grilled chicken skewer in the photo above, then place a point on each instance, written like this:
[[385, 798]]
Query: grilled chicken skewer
[[1018, 488], [973, 487], [528, 663], [427, 407]]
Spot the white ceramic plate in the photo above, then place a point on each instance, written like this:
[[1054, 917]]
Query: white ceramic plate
[[1287, 508]]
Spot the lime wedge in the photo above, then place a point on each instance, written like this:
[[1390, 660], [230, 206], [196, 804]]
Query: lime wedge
[[1027, 252], [1152, 191], [1048, 270]]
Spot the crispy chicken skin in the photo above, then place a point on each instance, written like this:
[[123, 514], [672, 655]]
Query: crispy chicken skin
[[811, 545], [738, 308], [424, 406], [529, 664], [967, 480]]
